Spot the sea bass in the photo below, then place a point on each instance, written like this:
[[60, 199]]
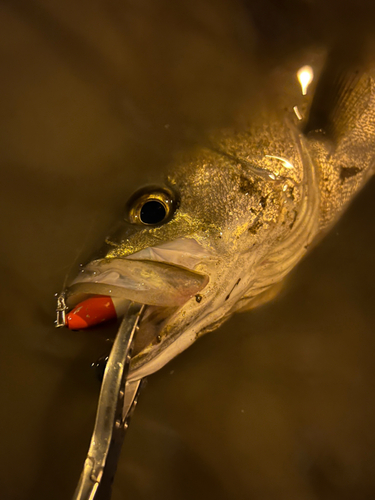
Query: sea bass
[[232, 218]]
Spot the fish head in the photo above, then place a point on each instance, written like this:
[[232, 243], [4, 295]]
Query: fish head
[[230, 220], [205, 242]]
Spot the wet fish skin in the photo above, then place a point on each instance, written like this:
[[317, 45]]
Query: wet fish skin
[[255, 199], [237, 213]]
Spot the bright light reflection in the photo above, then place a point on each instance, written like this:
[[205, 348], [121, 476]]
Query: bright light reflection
[[296, 111], [305, 76], [285, 162]]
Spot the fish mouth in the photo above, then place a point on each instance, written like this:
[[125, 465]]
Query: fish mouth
[[163, 278]]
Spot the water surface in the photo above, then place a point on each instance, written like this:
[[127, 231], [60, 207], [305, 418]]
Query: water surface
[[95, 100]]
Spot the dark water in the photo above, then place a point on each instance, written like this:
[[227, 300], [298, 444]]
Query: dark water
[[277, 404]]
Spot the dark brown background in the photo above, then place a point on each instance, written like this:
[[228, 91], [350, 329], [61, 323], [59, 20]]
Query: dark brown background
[[95, 99]]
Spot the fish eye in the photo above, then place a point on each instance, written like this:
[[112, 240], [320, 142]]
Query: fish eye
[[151, 206], [153, 212]]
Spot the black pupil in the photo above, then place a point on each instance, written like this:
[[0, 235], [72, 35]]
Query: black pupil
[[152, 212]]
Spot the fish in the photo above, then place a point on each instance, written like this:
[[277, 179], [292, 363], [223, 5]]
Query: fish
[[233, 216]]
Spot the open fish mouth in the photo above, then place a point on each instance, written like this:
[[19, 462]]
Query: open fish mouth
[[163, 286], [151, 283]]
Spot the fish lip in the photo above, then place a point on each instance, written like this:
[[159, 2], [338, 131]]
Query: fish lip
[[110, 281], [79, 291], [149, 338], [182, 255]]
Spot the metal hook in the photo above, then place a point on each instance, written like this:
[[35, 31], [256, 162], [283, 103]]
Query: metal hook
[[61, 311]]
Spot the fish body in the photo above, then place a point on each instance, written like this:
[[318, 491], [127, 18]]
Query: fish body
[[232, 218]]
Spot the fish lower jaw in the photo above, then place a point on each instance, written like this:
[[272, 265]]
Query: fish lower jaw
[[154, 357], [179, 332], [169, 326], [166, 299], [152, 333]]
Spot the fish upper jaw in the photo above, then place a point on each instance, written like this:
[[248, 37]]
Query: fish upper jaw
[[168, 279], [151, 283], [184, 252], [165, 275]]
